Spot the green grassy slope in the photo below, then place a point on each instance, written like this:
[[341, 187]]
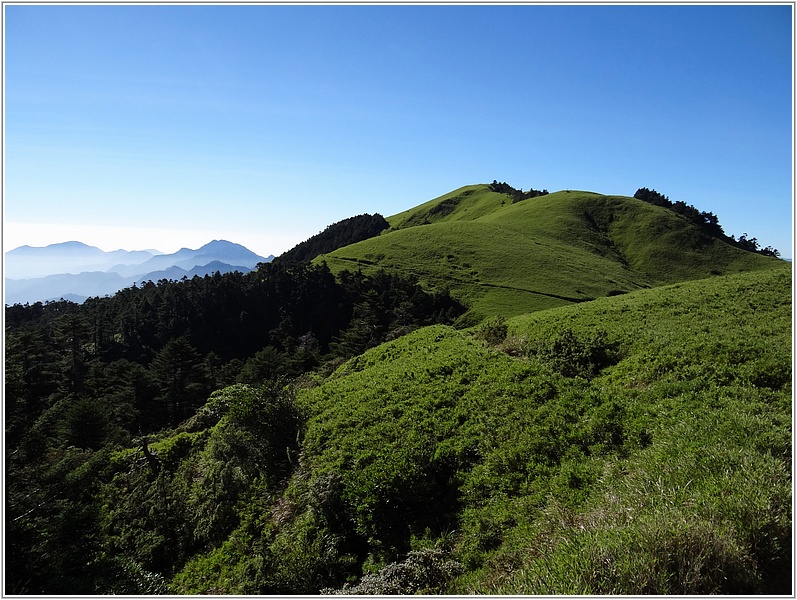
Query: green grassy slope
[[509, 259], [667, 472], [632, 444], [464, 204]]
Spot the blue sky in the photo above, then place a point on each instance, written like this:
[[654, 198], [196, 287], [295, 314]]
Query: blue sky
[[168, 126]]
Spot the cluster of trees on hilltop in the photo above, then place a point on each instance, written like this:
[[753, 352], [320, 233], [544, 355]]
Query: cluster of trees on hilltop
[[751, 245], [706, 220], [516, 195], [340, 234]]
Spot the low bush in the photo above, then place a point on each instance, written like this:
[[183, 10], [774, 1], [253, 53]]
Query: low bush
[[425, 571], [493, 331], [575, 356]]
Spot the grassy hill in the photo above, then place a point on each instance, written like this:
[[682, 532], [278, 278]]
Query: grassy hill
[[630, 445], [510, 258]]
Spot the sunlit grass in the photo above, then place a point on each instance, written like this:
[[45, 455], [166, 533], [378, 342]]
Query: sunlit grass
[[666, 473], [543, 252]]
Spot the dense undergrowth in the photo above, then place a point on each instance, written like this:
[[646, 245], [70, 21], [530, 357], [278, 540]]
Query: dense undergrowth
[[631, 445]]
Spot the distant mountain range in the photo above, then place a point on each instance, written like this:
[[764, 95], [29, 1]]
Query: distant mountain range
[[76, 271]]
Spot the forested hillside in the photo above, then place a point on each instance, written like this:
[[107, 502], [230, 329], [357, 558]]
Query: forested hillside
[[305, 429], [157, 351], [345, 232]]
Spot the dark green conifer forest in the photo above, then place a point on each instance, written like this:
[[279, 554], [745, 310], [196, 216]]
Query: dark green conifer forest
[[82, 379]]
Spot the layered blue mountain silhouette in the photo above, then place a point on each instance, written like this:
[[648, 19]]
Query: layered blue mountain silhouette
[[76, 271]]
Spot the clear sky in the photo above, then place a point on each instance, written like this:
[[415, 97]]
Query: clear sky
[[157, 126]]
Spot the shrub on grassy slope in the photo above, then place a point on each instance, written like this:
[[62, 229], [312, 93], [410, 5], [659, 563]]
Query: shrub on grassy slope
[[572, 356], [425, 571]]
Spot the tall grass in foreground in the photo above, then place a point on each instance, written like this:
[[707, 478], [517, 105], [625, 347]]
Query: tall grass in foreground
[[696, 513], [705, 506]]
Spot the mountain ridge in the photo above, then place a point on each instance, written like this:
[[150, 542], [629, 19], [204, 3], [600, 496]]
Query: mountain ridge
[[501, 252], [90, 273]]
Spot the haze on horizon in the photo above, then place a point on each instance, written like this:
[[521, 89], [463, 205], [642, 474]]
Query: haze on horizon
[[161, 127], [165, 241]]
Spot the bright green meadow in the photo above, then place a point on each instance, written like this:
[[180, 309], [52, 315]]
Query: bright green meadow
[[504, 258]]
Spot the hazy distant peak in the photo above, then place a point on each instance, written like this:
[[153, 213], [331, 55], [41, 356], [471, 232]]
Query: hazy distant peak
[[222, 245], [151, 251], [72, 247], [74, 244]]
